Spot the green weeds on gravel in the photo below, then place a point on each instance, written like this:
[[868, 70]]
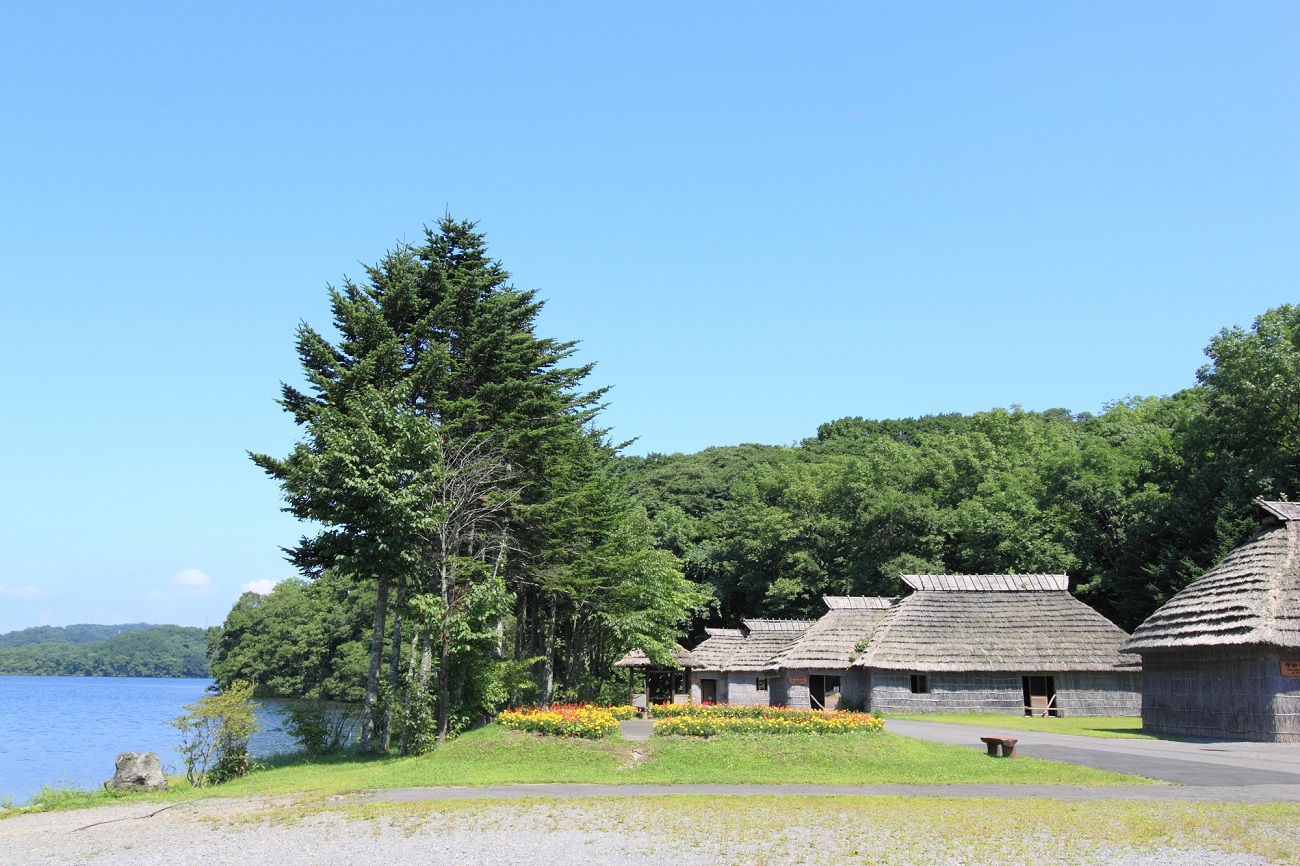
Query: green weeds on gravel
[[880, 830]]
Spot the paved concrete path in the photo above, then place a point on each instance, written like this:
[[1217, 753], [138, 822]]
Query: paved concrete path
[[637, 730], [1208, 764]]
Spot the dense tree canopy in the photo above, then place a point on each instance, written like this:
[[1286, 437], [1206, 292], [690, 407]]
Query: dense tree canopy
[[1133, 503]]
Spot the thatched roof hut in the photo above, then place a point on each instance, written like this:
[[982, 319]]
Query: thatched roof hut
[[766, 638], [831, 642], [1251, 597], [1222, 657], [993, 622]]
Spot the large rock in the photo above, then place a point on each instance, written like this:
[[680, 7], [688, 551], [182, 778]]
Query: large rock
[[137, 771]]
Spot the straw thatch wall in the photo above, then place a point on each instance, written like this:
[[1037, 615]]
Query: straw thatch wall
[[950, 692], [853, 687], [1095, 693], [1086, 693], [1235, 693], [742, 689]]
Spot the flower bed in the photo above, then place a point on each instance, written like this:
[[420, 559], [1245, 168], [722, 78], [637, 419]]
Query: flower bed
[[704, 721], [562, 720]]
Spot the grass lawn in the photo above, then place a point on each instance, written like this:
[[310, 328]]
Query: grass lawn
[[1126, 728], [497, 756]]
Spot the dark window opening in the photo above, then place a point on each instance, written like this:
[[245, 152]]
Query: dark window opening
[[761, 684], [920, 684]]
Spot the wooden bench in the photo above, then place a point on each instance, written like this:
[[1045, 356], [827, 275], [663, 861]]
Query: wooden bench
[[1004, 747]]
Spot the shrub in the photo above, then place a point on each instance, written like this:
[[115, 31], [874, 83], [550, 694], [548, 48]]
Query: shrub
[[214, 735], [321, 728]]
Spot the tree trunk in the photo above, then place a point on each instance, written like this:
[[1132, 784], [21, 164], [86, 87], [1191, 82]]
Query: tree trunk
[[394, 659], [548, 657], [444, 648], [372, 680], [444, 690]]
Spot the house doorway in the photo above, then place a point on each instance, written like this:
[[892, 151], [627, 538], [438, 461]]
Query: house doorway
[[824, 692], [708, 691], [1040, 695]]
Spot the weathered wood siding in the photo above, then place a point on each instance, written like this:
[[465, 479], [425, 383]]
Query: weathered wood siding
[[1235, 693], [852, 688], [891, 692], [1092, 693], [1077, 694], [741, 690], [721, 679]]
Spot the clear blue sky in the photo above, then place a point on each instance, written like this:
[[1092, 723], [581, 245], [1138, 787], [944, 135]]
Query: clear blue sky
[[756, 217]]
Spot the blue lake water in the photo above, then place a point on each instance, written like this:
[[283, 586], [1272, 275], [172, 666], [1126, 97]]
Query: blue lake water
[[69, 730]]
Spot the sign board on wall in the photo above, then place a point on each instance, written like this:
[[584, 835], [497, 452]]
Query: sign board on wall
[[798, 681], [1291, 667]]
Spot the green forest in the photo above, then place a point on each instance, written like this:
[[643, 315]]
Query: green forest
[[475, 537], [136, 650]]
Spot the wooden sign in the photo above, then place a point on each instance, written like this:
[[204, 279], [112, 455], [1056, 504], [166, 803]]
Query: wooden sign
[[798, 681], [1291, 667]]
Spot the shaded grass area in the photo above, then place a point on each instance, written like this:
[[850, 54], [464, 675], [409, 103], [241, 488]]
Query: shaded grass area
[[1106, 728], [497, 756], [881, 830]]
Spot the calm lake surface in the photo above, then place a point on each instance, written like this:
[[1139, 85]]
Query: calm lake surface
[[69, 730]]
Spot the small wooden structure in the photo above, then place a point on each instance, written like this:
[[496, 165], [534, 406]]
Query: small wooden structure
[[660, 684], [1221, 658]]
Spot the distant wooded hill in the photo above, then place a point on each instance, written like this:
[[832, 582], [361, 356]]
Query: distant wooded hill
[[81, 633], [133, 650]]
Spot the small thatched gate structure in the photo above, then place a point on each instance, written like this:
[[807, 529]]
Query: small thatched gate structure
[[659, 684]]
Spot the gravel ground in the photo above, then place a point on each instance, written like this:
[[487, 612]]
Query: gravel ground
[[273, 832]]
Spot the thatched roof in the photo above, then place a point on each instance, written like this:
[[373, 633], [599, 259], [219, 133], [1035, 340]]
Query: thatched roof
[[988, 582], [832, 641], [721, 644], [766, 638], [950, 625], [638, 659], [1251, 597]]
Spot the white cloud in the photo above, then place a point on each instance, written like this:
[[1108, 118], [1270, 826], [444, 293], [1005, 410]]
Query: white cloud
[[19, 591], [261, 587], [194, 582]]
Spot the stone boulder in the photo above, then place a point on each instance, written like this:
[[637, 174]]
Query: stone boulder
[[138, 771]]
